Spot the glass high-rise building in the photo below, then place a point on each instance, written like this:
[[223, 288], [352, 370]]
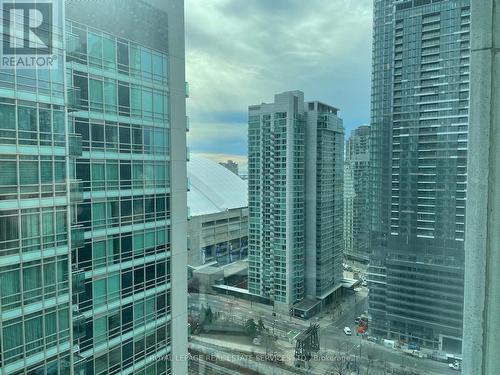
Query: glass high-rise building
[[295, 201], [276, 199], [324, 181], [93, 197], [420, 100], [349, 195], [35, 220], [357, 157]]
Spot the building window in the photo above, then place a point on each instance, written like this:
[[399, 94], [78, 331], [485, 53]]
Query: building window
[[110, 105], [27, 124], [95, 49], [123, 58], [146, 64], [96, 95], [7, 124], [135, 60], [123, 99], [109, 53], [80, 81]]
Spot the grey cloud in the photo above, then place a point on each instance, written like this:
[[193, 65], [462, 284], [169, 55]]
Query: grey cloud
[[242, 52]]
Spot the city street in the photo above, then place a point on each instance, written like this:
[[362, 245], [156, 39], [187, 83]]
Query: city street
[[333, 337], [331, 332], [352, 309]]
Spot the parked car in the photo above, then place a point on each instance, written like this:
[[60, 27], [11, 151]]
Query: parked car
[[372, 339], [455, 366], [357, 320], [418, 354], [347, 331], [364, 318]]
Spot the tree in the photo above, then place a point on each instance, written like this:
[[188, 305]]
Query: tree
[[209, 315], [371, 358], [251, 328], [385, 367], [260, 325], [341, 364], [269, 342], [194, 323], [405, 371]]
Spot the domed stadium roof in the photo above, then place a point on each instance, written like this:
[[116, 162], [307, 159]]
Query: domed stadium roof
[[213, 187]]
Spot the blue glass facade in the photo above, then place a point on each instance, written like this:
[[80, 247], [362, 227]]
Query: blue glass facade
[[125, 209], [86, 205], [35, 262], [420, 101]]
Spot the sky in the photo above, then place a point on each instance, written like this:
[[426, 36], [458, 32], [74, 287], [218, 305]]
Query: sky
[[242, 52]]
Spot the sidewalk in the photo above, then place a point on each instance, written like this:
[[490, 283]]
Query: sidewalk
[[251, 356]]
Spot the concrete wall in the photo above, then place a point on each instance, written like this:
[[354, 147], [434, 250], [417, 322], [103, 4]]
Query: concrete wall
[[197, 233], [285, 102], [482, 244], [177, 87], [311, 170]]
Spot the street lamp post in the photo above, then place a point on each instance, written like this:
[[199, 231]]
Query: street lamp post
[[360, 337], [355, 357]]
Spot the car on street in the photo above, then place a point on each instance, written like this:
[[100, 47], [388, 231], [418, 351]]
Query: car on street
[[372, 339], [455, 366], [347, 331], [361, 319], [418, 354]]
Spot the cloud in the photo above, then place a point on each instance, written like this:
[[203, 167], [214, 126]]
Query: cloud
[[242, 52], [219, 137]]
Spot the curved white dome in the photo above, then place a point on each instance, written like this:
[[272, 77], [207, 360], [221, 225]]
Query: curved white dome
[[213, 187]]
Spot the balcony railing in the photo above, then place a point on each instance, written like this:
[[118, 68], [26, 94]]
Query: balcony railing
[[72, 42], [78, 282], [80, 365], [77, 237], [74, 99], [78, 326], [75, 144], [76, 191]]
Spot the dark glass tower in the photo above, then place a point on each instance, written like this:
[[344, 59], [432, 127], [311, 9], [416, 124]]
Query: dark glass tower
[[420, 92], [357, 159]]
